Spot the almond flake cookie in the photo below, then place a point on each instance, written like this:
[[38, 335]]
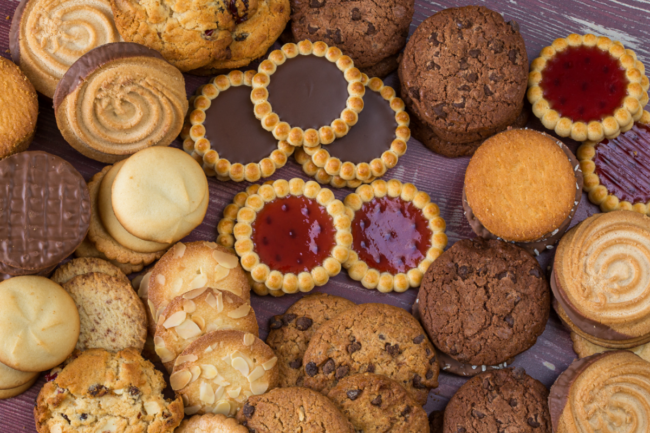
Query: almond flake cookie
[[107, 392], [292, 235], [223, 134], [323, 108], [587, 87], [397, 233], [379, 136], [211, 423], [197, 313], [219, 371]]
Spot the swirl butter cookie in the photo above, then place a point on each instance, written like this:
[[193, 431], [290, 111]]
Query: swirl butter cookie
[[48, 36], [19, 110], [584, 348], [143, 102]]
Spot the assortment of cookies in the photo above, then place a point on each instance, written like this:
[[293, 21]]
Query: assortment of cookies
[[327, 364]]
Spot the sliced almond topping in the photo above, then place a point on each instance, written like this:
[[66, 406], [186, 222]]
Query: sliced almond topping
[[209, 371], [165, 354], [247, 393], [259, 387], [185, 358], [207, 349], [186, 400], [180, 379], [234, 393], [179, 250], [177, 286], [211, 300], [200, 322], [175, 319], [270, 363], [206, 393], [188, 329], [199, 281], [301, 413], [246, 358], [118, 391], [152, 309], [191, 410], [161, 319], [194, 293], [227, 359], [229, 300], [143, 290], [249, 339], [219, 380], [152, 407], [219, 302], [223, 407], [189, 306], [158, 341], [240, 312], [219, 392], [211, 245], [196, 372], [219, 274], [226, 260], [160, 279], [241, 365], [256, 374]]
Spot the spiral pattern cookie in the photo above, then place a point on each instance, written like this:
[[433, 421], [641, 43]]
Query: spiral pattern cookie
[[48, 36], [118, 99]]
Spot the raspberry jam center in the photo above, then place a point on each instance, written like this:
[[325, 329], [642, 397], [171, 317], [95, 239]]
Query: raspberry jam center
[[584, 83], [293, 234], [390, 235], [623, 164]]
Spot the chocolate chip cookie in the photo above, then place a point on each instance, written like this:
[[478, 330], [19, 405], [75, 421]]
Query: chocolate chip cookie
[[504, 400], [291, 332], [372, 338], [370, 32], [466, 72], [483, 302]]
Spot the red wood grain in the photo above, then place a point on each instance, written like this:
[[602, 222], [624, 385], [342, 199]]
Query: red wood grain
[[541, 21]]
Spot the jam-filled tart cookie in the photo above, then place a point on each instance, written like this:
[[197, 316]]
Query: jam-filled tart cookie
[[222, 133], [587, 87], [397, 233], [617, 170], [307, 93], [372, 147], [292, 235]]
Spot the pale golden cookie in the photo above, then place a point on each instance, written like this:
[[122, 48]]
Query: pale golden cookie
[[10, 378], [18, 110], [211, 423], [13, 392], [82, 266], [584, 348], [87, 249]]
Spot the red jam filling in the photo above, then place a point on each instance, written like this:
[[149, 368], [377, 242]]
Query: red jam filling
[[390, 235], [293, 234], [623, 164], [584, 83]]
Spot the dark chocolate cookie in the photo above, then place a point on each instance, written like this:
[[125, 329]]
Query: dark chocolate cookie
[[436, 421], [369, 31], [466, 71], [483, 302], [505, 400]]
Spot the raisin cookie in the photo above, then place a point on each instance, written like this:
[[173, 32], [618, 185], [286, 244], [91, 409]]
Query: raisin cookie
[[372, 338], [211, 423], [370, 32], [290, 332], [375, 403], [101, 391], [291, 410]]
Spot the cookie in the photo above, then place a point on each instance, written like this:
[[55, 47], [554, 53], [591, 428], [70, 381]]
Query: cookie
[[111, 314], [611, 383], [211, 423], [534, 190], [323, 108], [436, 421], [11, 378], [39, 326], [62, 220], [87, 250], [375, 403], [291, 332], [587, 87], [221, 370], [13, 392], [189, 317], [506, 399], [353, 343], [149, 92], [103, 391], [584, 348], [466, 72], [292, 409], [371, 33], [19, 108], [482, 302], [81, 266], [160, 194], [192, 267]]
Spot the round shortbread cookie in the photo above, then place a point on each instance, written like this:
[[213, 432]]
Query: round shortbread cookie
[[195, 314], [160, 194], [219, 371], [11, 378], [86, 265], [39, 324], [18, 110], [87, 250], [211, 423], [13, 392]]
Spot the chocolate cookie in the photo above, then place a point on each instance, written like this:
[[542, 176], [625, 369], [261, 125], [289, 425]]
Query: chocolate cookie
[[370, 32], [483, 302], [436, 421], [466, 71], [504, 400], [291, 332]]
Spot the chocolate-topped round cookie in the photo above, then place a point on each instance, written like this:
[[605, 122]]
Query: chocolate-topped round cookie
[[44, 211], [483, 302], [466, 70]]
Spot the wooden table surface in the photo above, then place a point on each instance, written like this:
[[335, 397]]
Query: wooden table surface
[[541, 22]]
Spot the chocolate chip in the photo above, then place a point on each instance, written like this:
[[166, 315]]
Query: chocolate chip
[[353, 394], [432, 66], [478, 414], [354, 347], [241, 37], [406, 411], [382, 337], [513, 56], [65, 417], [417, 382], [371, 30], [393, 350], [83, 417], [316, 3], [415, 94], [496, 46], [439, 110], [514, 24], [288, 318], [311, 369], [304, 323], [134, 391], [356, 14], [472, 78], [433, 359], [97, 390], [465, 88], [275, 322], [433, 39], [463, 65], [533, 423], [464, 271], [248, 410], [342, 371], [376, 401], [495, 78], [428, 351], [487, 90], [334, 35], [461, 430], [474, 53], [518, 373], [487, 385], [429, 375], [509, 320], [419, 339], [371, 368], [312, 29], [329, 366], [464, 24], [534, 272], [295, 364], [513, 402]]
